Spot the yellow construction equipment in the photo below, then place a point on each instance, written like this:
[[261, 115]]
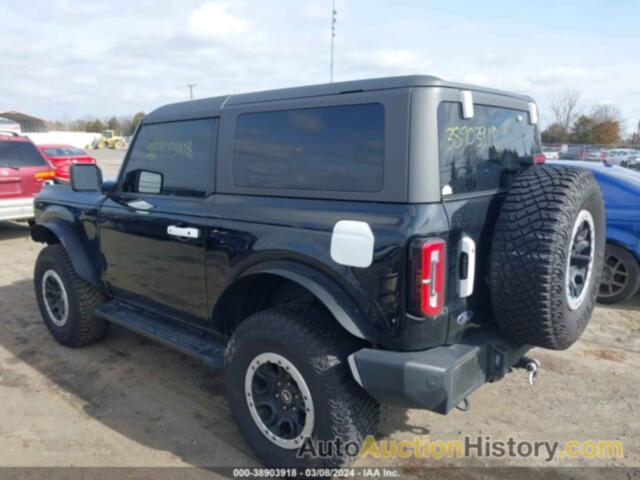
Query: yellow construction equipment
[[109, 139]]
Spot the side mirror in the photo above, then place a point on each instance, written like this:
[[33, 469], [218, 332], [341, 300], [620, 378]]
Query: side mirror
[[109, 185], [149, 182], [85, 177]]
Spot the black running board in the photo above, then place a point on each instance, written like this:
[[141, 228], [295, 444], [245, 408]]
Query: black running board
[[182, 338]]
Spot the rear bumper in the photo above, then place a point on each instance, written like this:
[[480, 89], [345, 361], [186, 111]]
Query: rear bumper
[[437, 379], [16, 209]]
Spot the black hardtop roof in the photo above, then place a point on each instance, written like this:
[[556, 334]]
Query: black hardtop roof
[[208, 107]]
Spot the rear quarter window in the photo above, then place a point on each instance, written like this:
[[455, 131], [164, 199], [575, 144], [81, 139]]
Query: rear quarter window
[[337, 148], [483, 152]]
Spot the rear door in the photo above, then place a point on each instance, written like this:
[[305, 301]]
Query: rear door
[[479, 158], [152, 227]]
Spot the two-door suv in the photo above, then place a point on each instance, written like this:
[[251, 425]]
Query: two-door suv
[[332, 247]]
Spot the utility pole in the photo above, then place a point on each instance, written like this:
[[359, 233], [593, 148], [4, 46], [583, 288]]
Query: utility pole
[[190, 87], [333, 35]]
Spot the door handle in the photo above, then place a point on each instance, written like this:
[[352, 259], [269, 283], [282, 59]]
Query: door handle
[[467, 253], [140, 205], [183, 232]]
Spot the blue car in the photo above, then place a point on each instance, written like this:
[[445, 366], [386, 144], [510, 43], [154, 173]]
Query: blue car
[[621, 189]]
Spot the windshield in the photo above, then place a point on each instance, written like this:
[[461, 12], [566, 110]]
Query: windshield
[[64, 152], [20, 154]]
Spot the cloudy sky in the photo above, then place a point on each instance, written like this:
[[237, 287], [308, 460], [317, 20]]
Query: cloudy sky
[[62, 59]]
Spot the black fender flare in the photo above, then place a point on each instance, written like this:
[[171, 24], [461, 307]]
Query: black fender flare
[[69, 238], [332, 296]]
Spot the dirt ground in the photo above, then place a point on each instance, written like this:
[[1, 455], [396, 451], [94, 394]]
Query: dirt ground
[[130, 402]]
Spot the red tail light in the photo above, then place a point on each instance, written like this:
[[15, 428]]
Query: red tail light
[[538, 159], [428, 259]]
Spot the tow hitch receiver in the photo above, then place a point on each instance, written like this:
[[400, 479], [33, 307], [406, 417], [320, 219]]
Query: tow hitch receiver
[[531, 365], [440, 378]]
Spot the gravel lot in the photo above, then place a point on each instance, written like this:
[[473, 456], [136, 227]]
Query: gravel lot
[[128, 401]]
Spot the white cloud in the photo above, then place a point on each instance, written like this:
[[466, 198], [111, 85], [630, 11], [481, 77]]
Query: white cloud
[[315, 11], [563, 75], [106, 57], [216, 21], [390, 60]]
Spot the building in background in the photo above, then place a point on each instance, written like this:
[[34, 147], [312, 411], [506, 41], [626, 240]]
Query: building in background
[[38, 131]]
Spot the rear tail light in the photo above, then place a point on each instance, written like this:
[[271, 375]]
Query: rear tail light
[[538, 159], [427, 258], [42, 176]]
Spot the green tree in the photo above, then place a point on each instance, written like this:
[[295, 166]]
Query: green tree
[[91, 125], [135, 121], [582, 131], [114, 124], [589, 129], [606, 133], [556, 133]]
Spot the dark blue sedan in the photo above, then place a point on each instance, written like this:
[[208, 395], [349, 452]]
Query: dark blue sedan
[[621, 189]]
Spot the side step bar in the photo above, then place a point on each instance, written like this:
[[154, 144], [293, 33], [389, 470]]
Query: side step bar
[[189, 341]]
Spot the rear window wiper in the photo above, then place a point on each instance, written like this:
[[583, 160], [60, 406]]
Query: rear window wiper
[[10, 166]]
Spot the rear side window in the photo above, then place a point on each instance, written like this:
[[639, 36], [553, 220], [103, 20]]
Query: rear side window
[[20, 154], [482, 153], [329, 148], [172, 158]]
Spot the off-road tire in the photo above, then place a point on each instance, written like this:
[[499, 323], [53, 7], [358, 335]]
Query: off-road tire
[[318, 348], [530, 253], [82, 326], [632, 268]]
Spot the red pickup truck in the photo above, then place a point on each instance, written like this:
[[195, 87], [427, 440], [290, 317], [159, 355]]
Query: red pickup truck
[[23, 171]]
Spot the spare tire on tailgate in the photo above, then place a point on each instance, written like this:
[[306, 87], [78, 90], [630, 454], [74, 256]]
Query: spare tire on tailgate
[[546, 256]]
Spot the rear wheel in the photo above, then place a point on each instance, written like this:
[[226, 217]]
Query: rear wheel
[[287, 381], [65, 300], [620, 275]]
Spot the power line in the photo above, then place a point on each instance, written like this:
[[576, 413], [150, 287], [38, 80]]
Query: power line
[[190, 87], [333, 35]]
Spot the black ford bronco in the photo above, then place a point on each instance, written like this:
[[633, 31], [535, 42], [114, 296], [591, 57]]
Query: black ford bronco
[[332, 247]]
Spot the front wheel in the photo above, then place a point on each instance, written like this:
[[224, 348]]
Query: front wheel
[[65, 300], [289, 387], [620, 276]]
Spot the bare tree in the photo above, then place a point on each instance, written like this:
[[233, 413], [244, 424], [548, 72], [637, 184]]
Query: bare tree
[[606, 112], [565, 107]]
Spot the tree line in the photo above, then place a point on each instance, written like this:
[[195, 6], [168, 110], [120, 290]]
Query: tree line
[[122, 125], [600, 125]]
